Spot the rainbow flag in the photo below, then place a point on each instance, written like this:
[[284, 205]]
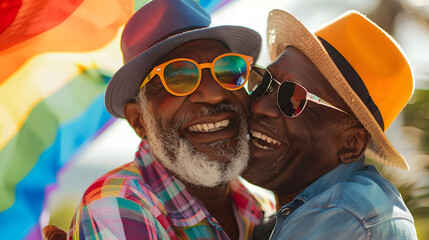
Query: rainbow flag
[[56, 58]]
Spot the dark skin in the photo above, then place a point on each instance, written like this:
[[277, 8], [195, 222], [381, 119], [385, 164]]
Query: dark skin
[[311, 144], [168, 108]]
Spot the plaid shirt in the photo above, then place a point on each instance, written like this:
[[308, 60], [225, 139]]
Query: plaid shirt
[[140, 200]]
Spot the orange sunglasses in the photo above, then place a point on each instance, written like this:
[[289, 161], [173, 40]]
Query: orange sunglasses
[[182, 76]]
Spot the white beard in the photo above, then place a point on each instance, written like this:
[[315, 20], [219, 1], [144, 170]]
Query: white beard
[[188, 164]]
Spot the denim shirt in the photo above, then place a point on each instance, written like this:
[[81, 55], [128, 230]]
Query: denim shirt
[[353, 201]]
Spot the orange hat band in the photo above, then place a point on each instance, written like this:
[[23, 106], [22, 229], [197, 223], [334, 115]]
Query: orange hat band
[[354, 80]]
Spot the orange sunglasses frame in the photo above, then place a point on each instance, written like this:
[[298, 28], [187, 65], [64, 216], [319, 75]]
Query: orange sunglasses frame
[[159, 70]]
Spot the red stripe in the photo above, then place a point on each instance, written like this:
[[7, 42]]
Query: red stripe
[[8, 11], [91, 26], [33, 18]]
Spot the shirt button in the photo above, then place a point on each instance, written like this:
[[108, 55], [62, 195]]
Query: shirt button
[[286, 211]]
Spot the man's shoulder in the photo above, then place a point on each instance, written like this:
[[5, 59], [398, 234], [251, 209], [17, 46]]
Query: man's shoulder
[[120, 204], [122, 182], [368, 196], [367, 203]]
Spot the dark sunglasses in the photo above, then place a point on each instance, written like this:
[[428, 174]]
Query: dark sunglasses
[[291, 96], [182, 76]]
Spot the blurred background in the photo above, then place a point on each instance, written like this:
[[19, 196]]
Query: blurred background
[[99, 145]]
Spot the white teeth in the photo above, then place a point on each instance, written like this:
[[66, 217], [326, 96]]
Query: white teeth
[[264, 137], [209, 127], [256, 134], [224, 123], [260, 146]]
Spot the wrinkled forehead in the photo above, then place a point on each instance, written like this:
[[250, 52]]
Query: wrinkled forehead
[[292, 64]]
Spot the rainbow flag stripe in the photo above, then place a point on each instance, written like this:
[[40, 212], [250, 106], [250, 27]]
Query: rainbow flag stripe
[[53, 122], [57, 58]]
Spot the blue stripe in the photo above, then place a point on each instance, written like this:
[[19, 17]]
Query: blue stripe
[[23, 215]]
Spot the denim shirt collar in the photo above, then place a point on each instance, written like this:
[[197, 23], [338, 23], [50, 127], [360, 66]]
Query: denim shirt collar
[[341, 173]]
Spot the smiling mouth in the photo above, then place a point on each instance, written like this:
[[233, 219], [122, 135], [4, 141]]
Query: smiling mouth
[[263, 141], [210, 127]]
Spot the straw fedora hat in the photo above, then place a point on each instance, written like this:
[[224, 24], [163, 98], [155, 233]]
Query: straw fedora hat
[[159, 27], [363, 64]]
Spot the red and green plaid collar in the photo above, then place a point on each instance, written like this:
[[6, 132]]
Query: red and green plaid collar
[[184, 209]]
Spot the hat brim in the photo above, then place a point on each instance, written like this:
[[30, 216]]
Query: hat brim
[[285, 30], [125, 83]]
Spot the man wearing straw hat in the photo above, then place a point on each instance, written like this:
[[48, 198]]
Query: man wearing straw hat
[[322, 105], [181, 91]]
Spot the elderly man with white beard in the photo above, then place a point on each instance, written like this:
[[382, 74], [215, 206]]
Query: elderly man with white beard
[[181, 89]]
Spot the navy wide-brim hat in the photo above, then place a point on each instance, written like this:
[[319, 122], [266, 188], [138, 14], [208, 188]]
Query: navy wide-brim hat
[[156, 29]]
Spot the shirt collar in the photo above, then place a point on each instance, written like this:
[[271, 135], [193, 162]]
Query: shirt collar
[[339, 174], [184, 209], [246, 204]]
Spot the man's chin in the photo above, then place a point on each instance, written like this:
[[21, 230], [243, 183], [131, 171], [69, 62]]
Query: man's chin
[[262, 173], [255, 177]]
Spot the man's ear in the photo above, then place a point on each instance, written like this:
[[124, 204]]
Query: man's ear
[[133, 115], [354, 143]]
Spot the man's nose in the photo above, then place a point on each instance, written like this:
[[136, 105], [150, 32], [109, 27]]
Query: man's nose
[[209, 91], [265, 106]]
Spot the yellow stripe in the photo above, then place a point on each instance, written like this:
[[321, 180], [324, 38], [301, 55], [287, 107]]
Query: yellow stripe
[[76, 224], [41, 76]]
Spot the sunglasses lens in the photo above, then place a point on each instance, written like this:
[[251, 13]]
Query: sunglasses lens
[[259, 81], [291, 99], [181, 77], [231, 71]]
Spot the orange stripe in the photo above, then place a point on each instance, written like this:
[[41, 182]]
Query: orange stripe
[[90, 27], [43, 75]]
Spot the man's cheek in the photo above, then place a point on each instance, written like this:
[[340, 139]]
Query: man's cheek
[[164, 109]]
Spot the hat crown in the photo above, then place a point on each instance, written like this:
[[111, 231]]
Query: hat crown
[[376, 57], [160, 19]]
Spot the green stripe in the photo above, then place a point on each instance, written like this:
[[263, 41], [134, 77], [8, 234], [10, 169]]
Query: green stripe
[[39, 131], [139, 3]]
